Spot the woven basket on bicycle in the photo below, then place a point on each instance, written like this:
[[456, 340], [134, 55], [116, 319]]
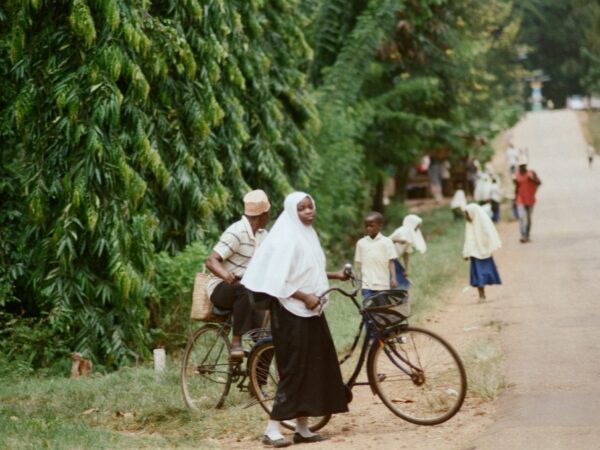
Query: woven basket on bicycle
[[386, 309]]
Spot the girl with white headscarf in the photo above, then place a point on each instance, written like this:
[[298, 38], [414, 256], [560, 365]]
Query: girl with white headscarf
[[481, 240], [289, 266], [407, 239]]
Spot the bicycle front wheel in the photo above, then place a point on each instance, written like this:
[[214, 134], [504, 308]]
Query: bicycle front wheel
[[418, 376], [206, 369], [264, 378]]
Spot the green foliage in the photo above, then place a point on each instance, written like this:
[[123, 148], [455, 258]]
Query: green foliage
[[398, 79], [558, 31], [132, 128], [337, 184], [27, 343], [170, 302], [590, 51]]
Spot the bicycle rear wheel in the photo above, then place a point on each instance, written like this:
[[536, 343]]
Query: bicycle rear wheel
[[419, 376], [264, 378], [206, 369]]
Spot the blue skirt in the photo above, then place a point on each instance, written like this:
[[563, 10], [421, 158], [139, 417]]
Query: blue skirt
[[403, 282], [484, 272]]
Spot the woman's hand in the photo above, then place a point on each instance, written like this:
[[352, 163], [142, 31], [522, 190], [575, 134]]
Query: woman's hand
[[312, 301]]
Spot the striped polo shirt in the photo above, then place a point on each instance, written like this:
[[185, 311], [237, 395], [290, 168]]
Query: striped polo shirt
[[236, 246]]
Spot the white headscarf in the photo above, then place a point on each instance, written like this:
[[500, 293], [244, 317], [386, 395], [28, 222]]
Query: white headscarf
[[408, 232], [481, 237], [290, 259], [459, 200]]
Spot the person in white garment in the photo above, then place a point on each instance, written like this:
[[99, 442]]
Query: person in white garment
[[407, 239], [290, 268], [481, 241]]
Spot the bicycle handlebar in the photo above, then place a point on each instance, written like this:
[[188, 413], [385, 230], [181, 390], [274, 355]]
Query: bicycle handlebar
[[352, 294], [341, 291]]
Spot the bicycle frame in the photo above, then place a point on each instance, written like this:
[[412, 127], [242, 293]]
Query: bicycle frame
[[367, 349]]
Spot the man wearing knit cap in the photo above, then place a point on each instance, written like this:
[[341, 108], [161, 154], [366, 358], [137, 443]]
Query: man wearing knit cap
[[227, 264]]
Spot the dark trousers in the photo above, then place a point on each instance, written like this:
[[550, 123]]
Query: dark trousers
[[235, 298], [495, 211]]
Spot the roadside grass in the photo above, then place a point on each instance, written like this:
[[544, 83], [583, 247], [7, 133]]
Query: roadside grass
[[136, 408], [590, 125], [484, 371], [130, 408]]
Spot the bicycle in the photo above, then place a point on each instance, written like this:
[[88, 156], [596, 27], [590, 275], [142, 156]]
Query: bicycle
[[208, 373], [415, 372]]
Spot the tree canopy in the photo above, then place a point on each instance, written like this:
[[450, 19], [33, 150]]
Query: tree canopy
[[563, 40], [131, 130], [135, 127]]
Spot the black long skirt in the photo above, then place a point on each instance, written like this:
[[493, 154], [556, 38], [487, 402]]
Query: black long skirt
[[310, 381]]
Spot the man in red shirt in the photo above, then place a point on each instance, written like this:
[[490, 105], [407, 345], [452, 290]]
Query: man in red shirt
[[526, 185]]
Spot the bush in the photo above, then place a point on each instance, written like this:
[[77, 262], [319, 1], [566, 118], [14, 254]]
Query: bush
[[24, 345], [170, 301]]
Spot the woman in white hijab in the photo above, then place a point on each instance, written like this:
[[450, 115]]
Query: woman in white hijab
[[407, 239], [289, 266], [481, 240]]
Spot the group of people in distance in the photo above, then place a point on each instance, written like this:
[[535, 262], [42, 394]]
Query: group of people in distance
[[481, 236]]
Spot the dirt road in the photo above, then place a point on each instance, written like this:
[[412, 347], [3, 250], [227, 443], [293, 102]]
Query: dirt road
[[552, 300], [549, 306]]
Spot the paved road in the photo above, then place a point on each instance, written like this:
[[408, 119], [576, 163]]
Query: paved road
[[551, 300]]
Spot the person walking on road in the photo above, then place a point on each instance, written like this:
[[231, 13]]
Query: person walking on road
[[591, 152], [481, 240], [526, 185]]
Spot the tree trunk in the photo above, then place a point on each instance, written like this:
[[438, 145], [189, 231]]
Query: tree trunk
[[378, 196], [401, 179]]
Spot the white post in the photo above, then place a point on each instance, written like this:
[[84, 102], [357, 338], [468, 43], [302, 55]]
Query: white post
[[159, 359]]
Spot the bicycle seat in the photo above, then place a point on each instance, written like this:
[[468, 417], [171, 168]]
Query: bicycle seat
[[220, 311]]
